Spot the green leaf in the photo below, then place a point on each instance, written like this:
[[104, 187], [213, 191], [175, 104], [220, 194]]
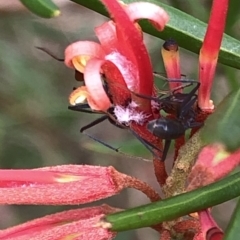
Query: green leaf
[[42, 8], [177, 206], [223, 126], [232, 232], [185, 29]]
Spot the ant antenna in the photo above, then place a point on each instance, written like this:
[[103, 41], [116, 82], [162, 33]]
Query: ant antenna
[[103, 143], [93, 123], [116, 149], [50, 54]]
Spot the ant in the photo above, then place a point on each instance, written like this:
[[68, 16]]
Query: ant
[[179, 104]]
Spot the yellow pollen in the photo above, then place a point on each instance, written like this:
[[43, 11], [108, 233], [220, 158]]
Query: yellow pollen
[[80, 62], [79, 95], [221, 155], [80, 99], [64, 178], [72, 236]]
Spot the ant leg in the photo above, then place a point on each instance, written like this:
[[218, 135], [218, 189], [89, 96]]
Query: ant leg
[[50, 54], [103, 143], [165, 149], [186, 106], [146, 143], [196, 124], [163, 76], [93, 123], [189, 101], [82, 108]]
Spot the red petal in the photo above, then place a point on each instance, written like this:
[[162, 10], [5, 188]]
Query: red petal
[[73, 224], [106, 34], [132, 47]]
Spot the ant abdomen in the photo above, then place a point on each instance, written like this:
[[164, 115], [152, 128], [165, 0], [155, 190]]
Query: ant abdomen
[[166, 128]]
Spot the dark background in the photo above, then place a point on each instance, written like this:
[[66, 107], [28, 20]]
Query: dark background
[[37, 129]]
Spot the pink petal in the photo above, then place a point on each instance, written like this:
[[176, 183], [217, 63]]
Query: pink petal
[[59, 185], [126, 68], [94, 84], [73, 224], [83, 48], [106, 34], [150, 11]]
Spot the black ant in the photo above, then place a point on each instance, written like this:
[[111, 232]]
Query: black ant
[[181, 105]]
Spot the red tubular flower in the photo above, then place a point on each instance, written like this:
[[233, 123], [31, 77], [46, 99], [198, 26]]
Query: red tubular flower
[[78, 184], [209, 52], [213, 163], [209, 228], [73, 224]]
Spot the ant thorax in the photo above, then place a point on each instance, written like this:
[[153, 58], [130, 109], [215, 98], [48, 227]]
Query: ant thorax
[[125, 115]]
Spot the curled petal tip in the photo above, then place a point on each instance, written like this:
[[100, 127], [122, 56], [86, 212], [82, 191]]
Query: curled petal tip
[[93, 81], [145, 10], [82, 51], [78, 96]]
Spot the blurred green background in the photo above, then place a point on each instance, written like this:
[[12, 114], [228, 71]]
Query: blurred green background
[[37, 129]]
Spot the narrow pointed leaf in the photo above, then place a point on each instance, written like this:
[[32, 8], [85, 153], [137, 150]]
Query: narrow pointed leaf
[[223, 126], [232, 232], [174, 207], [42, 8], [185, 29]]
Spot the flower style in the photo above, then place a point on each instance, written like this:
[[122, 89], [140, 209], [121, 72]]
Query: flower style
[[209, 52]]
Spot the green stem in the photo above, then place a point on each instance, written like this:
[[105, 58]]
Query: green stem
[[174, 207]]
